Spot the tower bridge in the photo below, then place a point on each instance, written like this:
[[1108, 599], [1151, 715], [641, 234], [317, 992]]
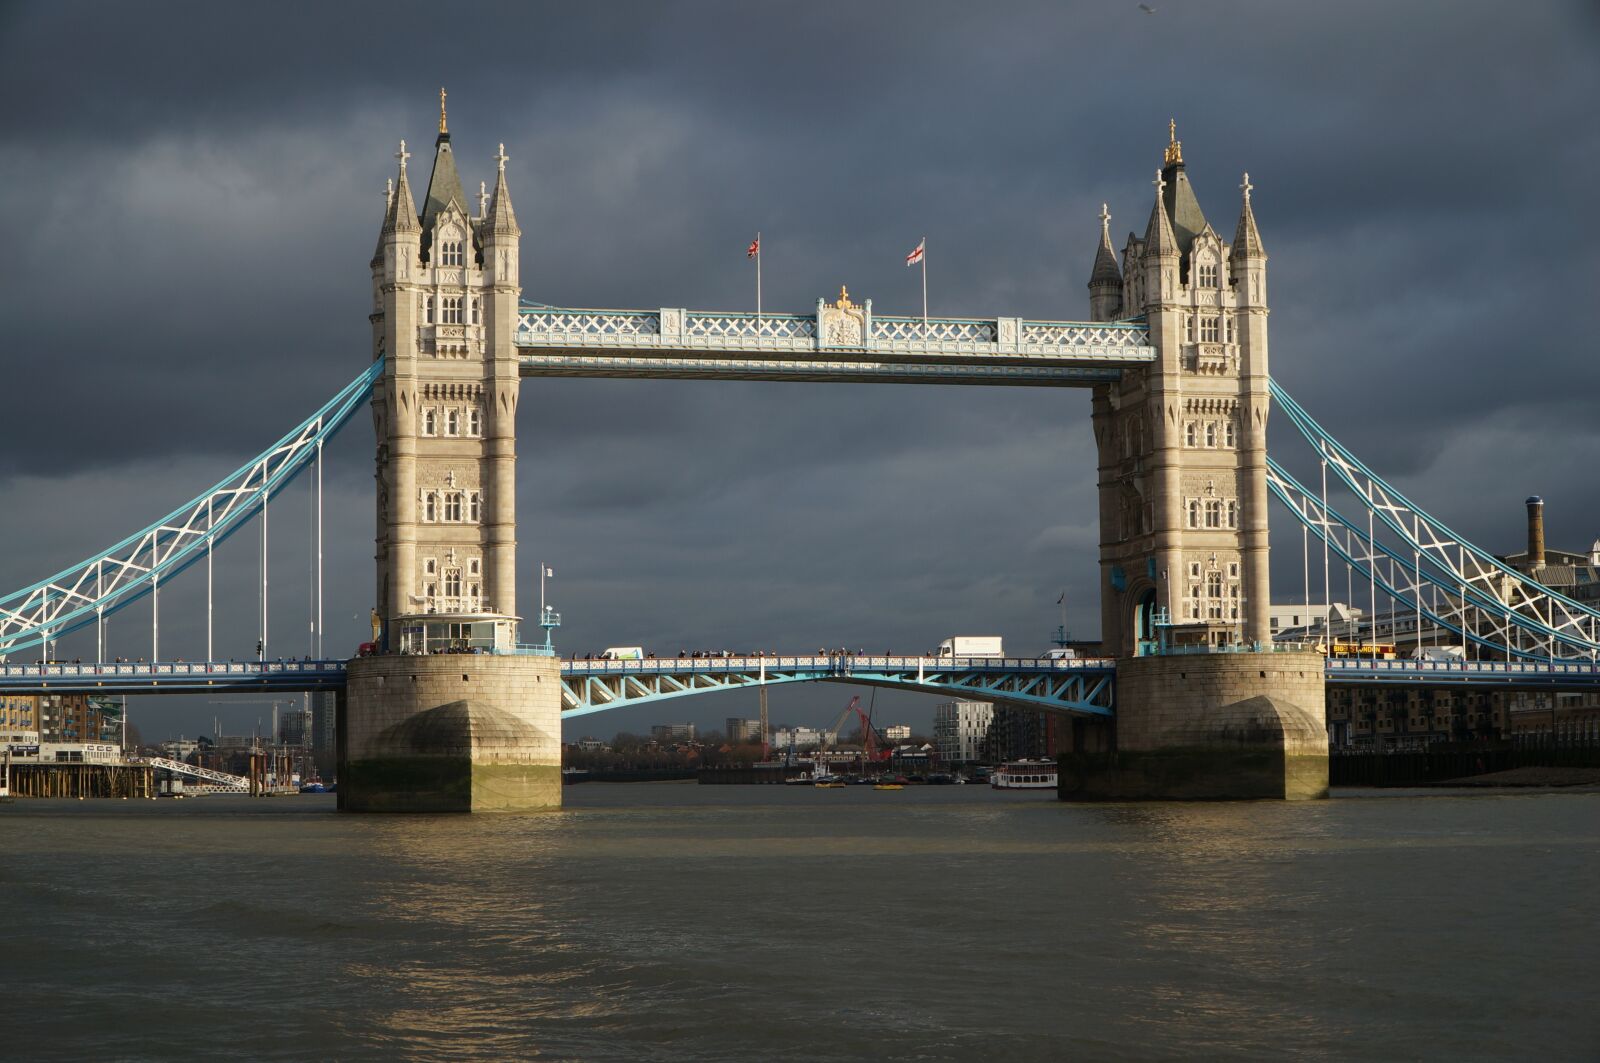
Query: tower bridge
[[1191, 699]]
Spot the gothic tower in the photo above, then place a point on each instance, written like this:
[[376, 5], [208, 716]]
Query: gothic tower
[[445, 294], [1182, 443]]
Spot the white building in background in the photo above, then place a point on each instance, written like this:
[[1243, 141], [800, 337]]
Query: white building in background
[[959, 728], [804, 738], [1310, 619], [898, 732]]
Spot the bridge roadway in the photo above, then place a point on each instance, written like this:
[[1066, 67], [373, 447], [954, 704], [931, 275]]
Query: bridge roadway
[[587, 686], [842, 342]]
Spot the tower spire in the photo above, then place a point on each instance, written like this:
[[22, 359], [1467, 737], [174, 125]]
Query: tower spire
[[1158, 238], [1246, 237], [500, 217]]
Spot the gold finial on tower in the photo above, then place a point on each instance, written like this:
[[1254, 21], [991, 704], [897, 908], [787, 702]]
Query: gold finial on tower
[[1174, 145], [442, 127], [844, 302]]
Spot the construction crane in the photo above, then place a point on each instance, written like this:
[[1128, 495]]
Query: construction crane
[[878, 747]]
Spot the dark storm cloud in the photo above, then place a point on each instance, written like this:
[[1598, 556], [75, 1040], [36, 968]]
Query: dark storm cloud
[[194, 191]]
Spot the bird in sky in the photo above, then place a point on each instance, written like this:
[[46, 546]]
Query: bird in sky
[[1147, 9]]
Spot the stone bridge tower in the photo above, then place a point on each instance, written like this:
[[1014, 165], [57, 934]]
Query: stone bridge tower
[[1182, 444], [447, 715], [1183, 527]]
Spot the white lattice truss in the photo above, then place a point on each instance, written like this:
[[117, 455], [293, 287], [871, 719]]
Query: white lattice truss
[[1080, 686], [78, 596], [553, 328], [219, 778], [1417, 560]]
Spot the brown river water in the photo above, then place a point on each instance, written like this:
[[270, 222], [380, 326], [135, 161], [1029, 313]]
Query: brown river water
[[667, 921]]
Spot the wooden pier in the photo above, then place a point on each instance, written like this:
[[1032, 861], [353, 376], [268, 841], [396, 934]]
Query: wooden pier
[[82, 780]]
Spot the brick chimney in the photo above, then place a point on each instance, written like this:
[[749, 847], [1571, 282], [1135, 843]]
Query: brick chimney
[[1535, 532]]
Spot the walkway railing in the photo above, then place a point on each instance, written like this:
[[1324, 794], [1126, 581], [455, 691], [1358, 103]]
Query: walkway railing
[[133, 676], [677, 329]]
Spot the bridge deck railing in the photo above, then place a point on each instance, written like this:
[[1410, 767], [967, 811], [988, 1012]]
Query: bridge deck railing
[[832, 663], [175, 669]]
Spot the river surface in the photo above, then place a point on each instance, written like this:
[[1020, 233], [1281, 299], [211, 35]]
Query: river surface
[[667, 921]]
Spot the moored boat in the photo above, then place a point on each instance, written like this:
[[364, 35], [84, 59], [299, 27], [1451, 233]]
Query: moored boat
[[1024, 775]]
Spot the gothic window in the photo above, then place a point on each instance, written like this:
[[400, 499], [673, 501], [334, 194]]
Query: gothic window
[[1194, 513], [1191, 434], [475, 591], [1194, 573], [430, 507], [1208, 329], [450, 310], [431, 591], [1213, 513], [1229, 438], [474, 509], [1233, 570], [430, 421], [1208, 274], [1211, 434], [475, 568], [452, 506], [430, 567], [452, 421], [452, 583], [1188, 328], [1226, 324], [477, 311], [428, 315], [1214, 595], [474, 420], [1232, 520], [450, 253]]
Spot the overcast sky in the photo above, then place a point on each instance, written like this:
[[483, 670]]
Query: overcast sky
[[193, 192]]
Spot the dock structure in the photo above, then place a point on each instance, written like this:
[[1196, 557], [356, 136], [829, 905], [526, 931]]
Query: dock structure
[[81, 780]]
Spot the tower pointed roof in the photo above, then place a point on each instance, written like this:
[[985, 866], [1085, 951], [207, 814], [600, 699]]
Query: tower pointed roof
[[1158, 237], [444, 186], [401, 217], [1246, 237], [1188, 220], [1105, 269], [501, 219]]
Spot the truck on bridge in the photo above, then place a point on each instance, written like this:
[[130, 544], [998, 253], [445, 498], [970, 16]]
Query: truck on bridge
[[971, 646]]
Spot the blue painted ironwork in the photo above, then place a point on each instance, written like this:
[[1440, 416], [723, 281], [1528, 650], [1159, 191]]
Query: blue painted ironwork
[[1079, 686], [1522, 675], [172, 677], [1496, 605], [76, 597]]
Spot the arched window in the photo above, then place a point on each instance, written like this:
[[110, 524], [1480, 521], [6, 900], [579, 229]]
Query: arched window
[[1208, 274], [477, 311], [474, 420], [475, 567], [1191, 434], [1229, 439], [452, 506], [430, 507], [450, 252], [1211, 433], [1188, 328], [452, 583], [451, 307], [1232, 520], [474, 511], [430, 421], [1214, 513], [452, 421], [1194, 513], [429, 304], [1208, 328]]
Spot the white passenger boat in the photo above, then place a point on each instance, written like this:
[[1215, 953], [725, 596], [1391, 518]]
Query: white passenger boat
[[1024, 775]]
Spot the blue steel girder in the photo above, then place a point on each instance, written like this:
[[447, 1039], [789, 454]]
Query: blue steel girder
[[172, 677], [1083, 686]]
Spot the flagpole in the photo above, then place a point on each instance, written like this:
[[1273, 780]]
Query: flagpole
[[924, 286], [758, 285]]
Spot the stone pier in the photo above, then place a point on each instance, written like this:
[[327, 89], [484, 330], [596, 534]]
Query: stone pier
[[451, 733], [1219, 726]]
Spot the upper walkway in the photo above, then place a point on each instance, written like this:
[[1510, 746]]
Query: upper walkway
[[842, 342]]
